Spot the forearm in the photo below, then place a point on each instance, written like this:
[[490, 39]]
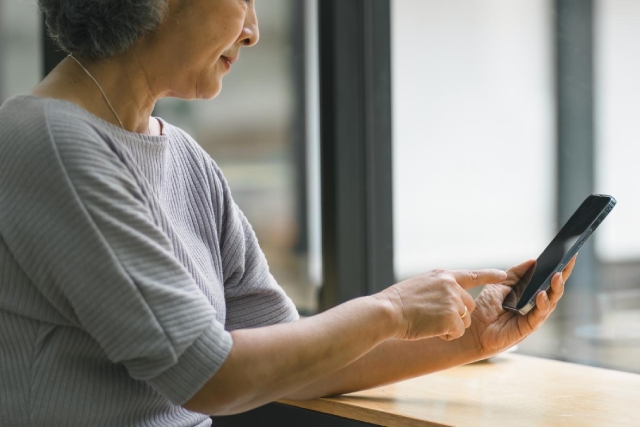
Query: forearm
[[392, 361], [269, 363]]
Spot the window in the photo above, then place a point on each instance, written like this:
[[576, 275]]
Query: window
[[473, 119], [256, 131], [20, 59], [616, 335], [476, 143]]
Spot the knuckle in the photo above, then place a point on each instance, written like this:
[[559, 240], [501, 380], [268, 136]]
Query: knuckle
[[439, 274], [445, 276], [453, 310], [454, 317], [452, 296], [449, 281]]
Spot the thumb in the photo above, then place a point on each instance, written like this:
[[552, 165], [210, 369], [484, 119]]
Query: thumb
[[471, 278]]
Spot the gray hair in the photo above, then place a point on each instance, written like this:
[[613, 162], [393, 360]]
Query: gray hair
[[99, 29]]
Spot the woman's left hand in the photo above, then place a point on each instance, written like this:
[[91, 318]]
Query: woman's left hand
[[494, 329]]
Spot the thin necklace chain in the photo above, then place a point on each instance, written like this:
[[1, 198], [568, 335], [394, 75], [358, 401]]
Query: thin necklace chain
[[101, 91]]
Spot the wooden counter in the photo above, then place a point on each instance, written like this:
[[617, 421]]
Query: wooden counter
[[510, 390]]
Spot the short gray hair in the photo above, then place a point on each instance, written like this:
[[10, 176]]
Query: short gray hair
[[99, 29]]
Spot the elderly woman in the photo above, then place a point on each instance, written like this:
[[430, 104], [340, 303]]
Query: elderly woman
[[133, 291]]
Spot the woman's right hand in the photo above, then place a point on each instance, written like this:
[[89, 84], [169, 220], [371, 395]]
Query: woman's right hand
[[433, 303]]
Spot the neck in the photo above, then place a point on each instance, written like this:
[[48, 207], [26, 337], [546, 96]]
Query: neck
[[125, 84]]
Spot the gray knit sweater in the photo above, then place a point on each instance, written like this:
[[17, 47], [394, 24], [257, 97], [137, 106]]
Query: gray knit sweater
[[124, 262]]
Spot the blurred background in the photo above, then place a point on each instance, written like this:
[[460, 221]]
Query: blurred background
[[476, 156], [505, 115]]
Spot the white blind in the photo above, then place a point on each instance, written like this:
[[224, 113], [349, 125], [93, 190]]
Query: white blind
[[474, 160], [618, 125]]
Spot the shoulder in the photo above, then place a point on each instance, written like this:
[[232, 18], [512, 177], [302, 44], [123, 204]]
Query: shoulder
[[22, 117], [55, 137], [185, 146], [30, 123]]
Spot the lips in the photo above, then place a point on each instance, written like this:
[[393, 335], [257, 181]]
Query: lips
[[229, 60]]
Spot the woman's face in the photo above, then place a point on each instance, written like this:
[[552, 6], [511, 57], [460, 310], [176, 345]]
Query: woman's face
[[203, 39]]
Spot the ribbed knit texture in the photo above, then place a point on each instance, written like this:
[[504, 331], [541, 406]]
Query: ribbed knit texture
[[124, 262]]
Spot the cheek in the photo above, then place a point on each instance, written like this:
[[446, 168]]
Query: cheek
[[226, 27], [209, 82]]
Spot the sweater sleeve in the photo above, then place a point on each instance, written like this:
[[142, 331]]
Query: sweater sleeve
[[252, 295], [79, 225]]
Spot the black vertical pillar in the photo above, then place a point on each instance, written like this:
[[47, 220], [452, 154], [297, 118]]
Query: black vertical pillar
[[355, 116], [299, 128], [575, 103], [2, 52]]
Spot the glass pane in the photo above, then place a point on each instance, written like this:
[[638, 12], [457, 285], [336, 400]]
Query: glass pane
[[474, 156], [617, 335], [474, 160], [253, 131], [618, 68], [20, 58]]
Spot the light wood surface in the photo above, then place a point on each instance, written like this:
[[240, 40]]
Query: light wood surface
[[509, 390]]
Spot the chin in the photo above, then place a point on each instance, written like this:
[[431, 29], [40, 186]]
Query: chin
[[210, 92]]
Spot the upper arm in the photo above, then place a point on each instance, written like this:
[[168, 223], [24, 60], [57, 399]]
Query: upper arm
[[79, 225], [255, 298], [252, 295]]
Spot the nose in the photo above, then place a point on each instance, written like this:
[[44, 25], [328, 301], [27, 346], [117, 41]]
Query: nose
[[250, 32]]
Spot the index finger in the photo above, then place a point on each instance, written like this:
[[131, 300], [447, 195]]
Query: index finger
[[472, 278]]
